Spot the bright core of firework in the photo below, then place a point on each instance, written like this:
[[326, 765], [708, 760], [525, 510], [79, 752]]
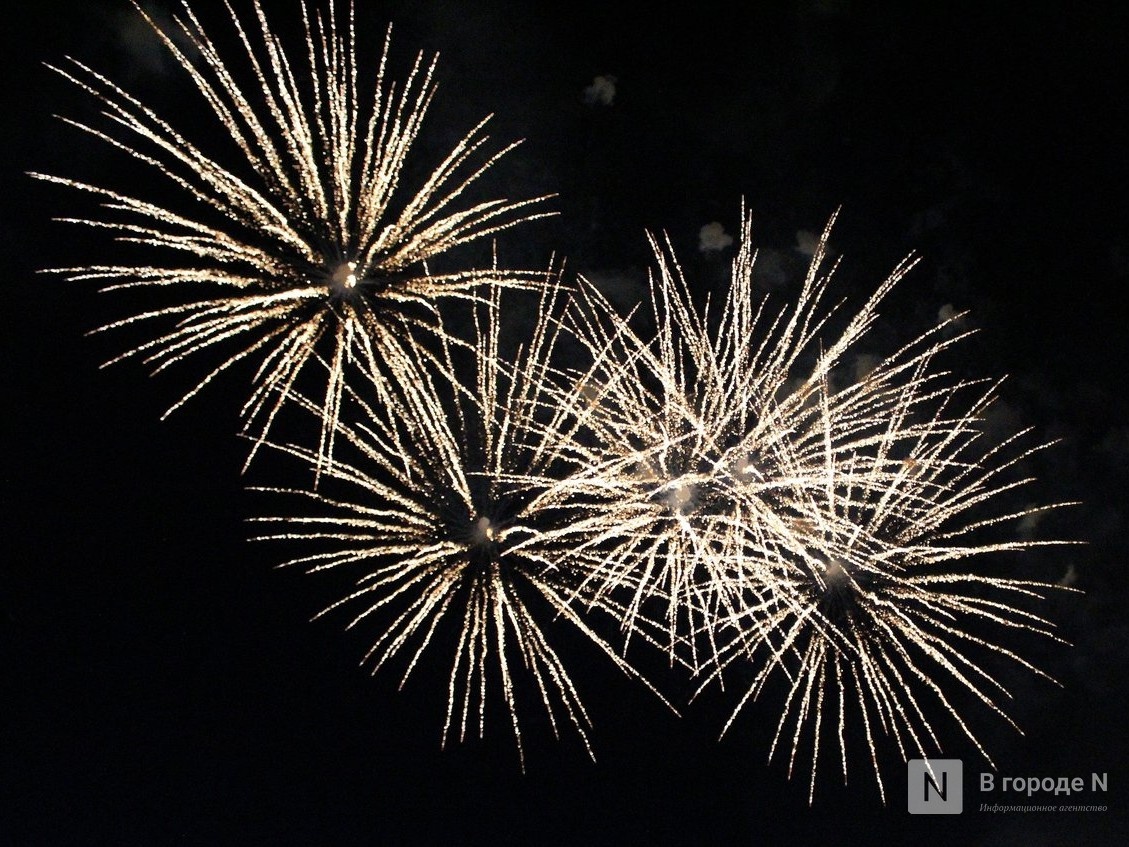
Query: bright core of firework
[[484, 531], [344, 278]]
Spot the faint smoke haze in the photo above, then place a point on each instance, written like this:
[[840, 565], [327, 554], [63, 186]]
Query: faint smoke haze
[[713, 237], [601, 92]]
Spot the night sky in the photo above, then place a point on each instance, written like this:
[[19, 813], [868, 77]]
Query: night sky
[[163, 682]]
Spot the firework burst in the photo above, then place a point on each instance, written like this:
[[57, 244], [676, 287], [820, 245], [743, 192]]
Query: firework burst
[[704, 426], [793, 520], [311, 242], [870, 612], [449, 520]]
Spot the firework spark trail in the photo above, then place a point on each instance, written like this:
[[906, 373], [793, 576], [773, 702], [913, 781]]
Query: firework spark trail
[[312, 242], [446, 517]]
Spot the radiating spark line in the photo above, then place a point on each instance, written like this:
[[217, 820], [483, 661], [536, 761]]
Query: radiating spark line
[[310, 241]]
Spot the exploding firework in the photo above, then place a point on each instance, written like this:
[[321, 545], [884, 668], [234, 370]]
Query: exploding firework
[[705, 427], [449, 519], [870, 612], [809, 525], [713, 484], [311, 244]]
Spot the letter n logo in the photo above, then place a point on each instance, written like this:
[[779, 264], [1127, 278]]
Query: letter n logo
[[936, 787]]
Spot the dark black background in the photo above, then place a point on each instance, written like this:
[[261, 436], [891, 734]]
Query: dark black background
[[162, 683]]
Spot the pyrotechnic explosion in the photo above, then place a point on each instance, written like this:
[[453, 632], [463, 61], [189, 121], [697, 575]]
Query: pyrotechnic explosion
[[801, 524], [710, 425], [447, 512], [309, 242], [712, 484]]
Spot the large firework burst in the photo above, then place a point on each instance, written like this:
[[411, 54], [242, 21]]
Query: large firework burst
[[311, 241], [871, 611], [704, 425], [813, 524], [447, 511]]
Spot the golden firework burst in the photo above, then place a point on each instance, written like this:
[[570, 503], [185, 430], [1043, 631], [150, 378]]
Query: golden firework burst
[[448, 516], [309, 243]]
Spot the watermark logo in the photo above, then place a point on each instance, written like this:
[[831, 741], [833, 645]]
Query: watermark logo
[[936, 787]]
